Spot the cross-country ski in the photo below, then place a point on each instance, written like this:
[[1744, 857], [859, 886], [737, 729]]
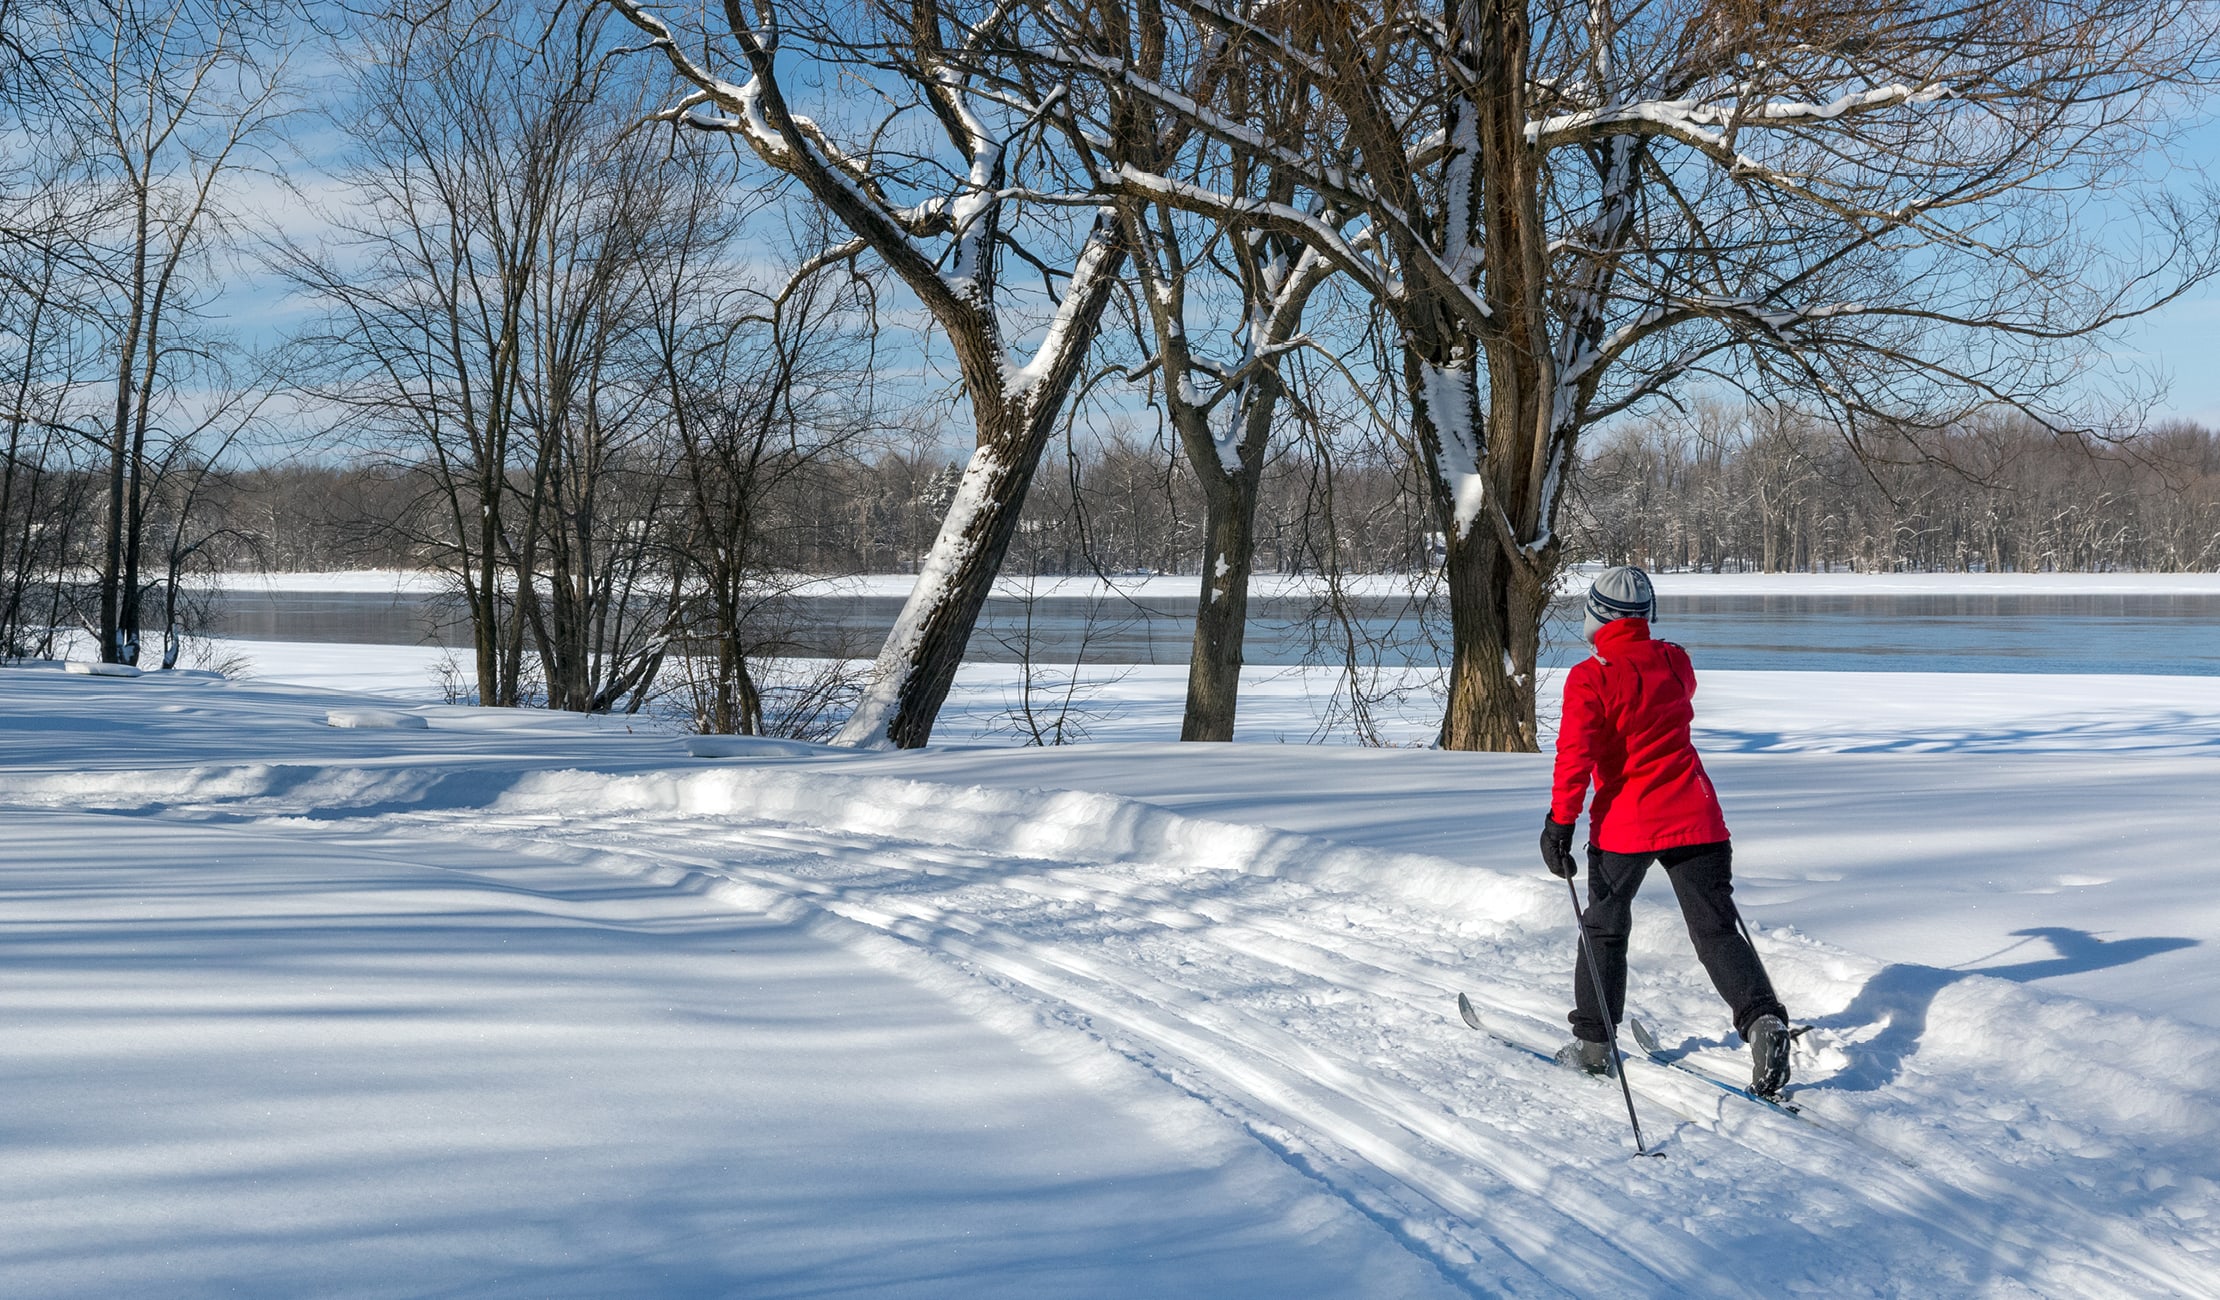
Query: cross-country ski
[[1646, 1039]]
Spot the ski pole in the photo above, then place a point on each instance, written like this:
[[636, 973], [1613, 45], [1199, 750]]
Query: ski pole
[[1745, 927], [1800, 1030], [1603, 1007]]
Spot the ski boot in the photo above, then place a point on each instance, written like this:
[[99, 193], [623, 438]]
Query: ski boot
[[1769, 1041], [1586, 1057]]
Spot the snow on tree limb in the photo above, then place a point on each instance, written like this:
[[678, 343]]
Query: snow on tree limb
[[1688, 119], [1449, 402], [956, 544], [943, 246], [1097, 262]]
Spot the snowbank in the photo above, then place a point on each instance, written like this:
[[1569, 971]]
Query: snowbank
[[1937, 584], [393, 719], [91, 668], [369, 582], [1265, 586]]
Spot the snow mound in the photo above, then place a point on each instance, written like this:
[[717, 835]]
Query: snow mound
[[1060, 825], [389, 719], [1075, 826], [85, 669], [751, 747]]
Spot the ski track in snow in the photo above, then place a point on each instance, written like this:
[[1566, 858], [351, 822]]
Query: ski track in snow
[[1967, 1139]]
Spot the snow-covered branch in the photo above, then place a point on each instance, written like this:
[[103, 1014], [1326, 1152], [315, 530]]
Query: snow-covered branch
[[1348, 254], [1707, 125]]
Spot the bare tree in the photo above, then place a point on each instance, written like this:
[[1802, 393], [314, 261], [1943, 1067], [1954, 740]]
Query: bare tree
[[923, 170], [592, 580], [45, 503], [448, 188], [1223, 407], [1567, 208], [169, 102], [760, 387], [491, 324]]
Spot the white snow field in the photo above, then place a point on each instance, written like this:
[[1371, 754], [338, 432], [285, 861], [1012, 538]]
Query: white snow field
[[300, 998]]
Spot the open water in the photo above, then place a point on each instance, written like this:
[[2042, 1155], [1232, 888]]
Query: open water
[[2085, 633]]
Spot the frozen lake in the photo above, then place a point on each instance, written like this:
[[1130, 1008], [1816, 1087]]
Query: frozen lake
[[2082, 632]]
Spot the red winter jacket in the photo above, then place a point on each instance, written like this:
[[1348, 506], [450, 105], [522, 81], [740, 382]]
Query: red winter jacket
[[1626, 726]]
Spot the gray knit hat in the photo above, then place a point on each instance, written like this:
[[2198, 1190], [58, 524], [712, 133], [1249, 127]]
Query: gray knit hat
[[1624, 592]]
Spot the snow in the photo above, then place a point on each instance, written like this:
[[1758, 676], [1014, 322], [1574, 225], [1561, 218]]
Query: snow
[[396, 719], [370, 582], [533, 1004], [1138, 586], [1449, 392], [390, 1068], [91, 668], [1937, 584], [407, 672], [1066, 329], [953, 548]]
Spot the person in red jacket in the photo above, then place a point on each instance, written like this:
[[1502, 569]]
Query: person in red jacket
[[1625, 729]]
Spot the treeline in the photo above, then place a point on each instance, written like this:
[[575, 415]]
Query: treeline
[[1735, 489], [1728, 490], [1107, 506]]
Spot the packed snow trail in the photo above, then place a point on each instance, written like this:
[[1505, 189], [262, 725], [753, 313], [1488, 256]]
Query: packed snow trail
[[246, 1063], [1312, 1007]]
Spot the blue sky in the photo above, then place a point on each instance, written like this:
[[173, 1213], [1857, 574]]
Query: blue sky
[[2181, 344], [2174, 352]]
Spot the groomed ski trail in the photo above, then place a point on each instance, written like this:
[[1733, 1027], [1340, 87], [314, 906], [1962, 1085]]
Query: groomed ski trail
[[1322, 1024]]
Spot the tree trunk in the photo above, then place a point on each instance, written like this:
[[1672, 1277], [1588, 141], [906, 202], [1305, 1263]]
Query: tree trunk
[[487, 624], [918, 663], [1221, 619], [134, 532], [1497, 475], [122, 495], [111, 562], [482, 650], [1491, 691], [746, 699], [1015, 413]]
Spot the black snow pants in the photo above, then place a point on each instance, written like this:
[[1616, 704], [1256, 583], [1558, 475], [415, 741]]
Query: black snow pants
[[1703, 878]]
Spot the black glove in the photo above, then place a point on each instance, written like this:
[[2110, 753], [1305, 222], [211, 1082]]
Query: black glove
[[1557, 848]]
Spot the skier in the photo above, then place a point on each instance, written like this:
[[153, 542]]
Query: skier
[[1625, 727]]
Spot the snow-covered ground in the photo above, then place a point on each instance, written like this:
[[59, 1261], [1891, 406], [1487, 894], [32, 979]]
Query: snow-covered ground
[[519, 1004]]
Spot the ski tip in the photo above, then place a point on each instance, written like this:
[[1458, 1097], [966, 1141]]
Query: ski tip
[[1643, 1038], [1464, 1010]]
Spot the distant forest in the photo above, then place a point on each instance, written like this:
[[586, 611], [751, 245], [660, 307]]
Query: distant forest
[[1722, 491]]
